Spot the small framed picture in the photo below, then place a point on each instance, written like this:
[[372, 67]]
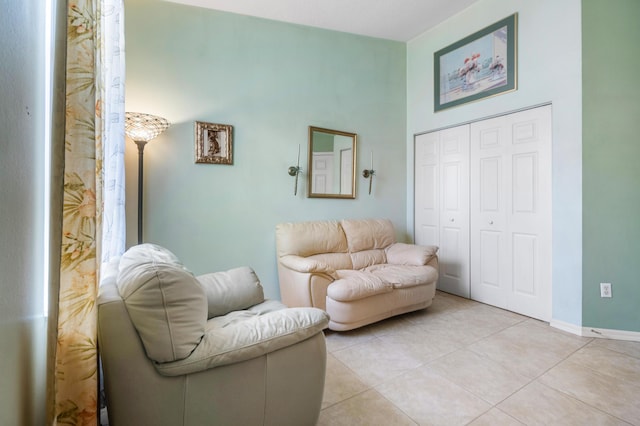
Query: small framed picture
[[214, 143], [480, 65]]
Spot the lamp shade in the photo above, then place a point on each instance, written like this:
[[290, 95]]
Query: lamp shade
[[143, 127]]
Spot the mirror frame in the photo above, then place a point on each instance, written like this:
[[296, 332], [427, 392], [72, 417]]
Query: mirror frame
[[354, 138]]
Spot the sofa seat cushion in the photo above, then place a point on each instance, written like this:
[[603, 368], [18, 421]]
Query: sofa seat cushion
[[247, 335], [403, 276], [355, 285], [166, 303]]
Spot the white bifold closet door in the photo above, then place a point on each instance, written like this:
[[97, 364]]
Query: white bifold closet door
[[511, 212], [442, 203], [483, 195]]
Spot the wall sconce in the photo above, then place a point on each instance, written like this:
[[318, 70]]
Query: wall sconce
[[368, 173], [142, 128], [295, 171]]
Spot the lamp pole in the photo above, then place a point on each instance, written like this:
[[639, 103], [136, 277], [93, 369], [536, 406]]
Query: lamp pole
[[141, 145]]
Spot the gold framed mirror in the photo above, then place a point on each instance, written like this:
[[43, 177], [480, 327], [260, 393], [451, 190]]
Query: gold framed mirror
[[332, 163]]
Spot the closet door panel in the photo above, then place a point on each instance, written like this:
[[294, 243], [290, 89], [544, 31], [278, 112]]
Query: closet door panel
[[530, 215], [489, 277], [525, 264], [442, 203], [427, 232], [452, 270], [454, 211], [525, 178], [489, 270], [488, 234], [427, 190], [490, 178], [511, 210]]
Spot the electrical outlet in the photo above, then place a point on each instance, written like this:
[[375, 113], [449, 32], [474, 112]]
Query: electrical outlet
[[605, 289]]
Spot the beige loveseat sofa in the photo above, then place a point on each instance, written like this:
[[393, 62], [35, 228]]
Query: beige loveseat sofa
[[354, 270], [209, 350]]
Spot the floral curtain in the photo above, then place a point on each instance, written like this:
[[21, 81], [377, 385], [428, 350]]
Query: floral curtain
[[87, 125]]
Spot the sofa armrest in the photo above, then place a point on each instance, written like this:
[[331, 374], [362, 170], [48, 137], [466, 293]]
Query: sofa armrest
[[410, 254], [305, 265], [250, 338]]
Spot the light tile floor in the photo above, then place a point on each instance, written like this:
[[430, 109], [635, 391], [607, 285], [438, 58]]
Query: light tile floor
[[460, 362]]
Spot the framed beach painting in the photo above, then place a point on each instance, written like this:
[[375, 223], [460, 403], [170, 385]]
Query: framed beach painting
[[480, 65]]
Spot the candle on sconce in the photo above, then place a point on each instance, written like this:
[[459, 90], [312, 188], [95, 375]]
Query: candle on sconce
[[295, 171], [368, 174]]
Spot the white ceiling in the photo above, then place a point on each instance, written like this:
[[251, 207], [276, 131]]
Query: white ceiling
[[399, 20]]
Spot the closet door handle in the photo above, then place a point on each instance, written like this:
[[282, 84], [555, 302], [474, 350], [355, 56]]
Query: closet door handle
[[452, 220], [490, 222]]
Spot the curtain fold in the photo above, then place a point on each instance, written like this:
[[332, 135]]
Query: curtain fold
[[56, 179], [75, 364], [88, 190], [111, 70]]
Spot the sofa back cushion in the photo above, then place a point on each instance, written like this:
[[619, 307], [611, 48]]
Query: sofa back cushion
[[368, 234], [166, 303], [309, 238], [364, 258]]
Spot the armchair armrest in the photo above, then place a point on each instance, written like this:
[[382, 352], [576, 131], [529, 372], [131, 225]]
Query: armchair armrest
[[251, 338], [231, 290], [410, 254], [305, 265]]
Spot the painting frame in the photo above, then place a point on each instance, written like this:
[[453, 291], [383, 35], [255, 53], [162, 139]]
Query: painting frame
[[214, 143], [481, 65]]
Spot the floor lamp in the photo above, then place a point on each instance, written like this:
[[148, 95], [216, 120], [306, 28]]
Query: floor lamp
[[141, 128]]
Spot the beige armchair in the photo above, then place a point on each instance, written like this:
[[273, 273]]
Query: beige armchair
[[183, 350]]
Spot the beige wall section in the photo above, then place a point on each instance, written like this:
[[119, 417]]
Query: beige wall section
[[22, 324]]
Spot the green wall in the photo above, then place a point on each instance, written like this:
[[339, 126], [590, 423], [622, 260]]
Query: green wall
[[270, 80], [611, 152]]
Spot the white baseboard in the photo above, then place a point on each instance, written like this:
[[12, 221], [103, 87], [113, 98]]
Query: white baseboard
[[601, 333], [565, 326], [604, 333]]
